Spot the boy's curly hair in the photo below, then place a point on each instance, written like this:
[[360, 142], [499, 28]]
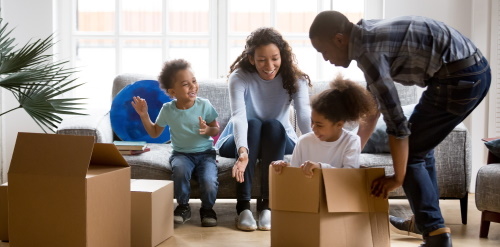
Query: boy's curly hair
[[169, 70], [344, 101], [288, 69]]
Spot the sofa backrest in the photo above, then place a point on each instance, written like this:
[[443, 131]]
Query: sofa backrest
[[218, 94]]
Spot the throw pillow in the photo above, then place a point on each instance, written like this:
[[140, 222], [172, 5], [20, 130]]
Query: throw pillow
[[494, 147], [125, 121], [379, 142]]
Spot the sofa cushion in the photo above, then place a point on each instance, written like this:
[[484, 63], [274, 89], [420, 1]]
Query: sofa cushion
[[379, 142], [494, 147]]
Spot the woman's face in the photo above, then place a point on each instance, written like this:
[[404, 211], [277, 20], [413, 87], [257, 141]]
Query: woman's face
[[267, 61]]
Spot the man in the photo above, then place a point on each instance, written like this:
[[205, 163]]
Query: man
[[412, 51]]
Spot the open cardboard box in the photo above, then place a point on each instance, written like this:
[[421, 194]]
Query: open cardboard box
[[68, 191], [152, 211], [333, 208]]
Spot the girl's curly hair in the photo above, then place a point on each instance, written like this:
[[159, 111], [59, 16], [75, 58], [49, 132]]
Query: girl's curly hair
[[288, 69], [344, 101]]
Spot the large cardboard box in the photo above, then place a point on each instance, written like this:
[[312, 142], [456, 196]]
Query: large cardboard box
[[4, 212], [68, 191], [334, 208], [152, 211]]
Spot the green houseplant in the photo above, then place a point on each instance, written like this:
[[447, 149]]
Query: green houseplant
[[36, 81]]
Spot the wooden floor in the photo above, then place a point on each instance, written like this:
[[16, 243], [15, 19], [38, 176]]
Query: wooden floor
[[225, 234]]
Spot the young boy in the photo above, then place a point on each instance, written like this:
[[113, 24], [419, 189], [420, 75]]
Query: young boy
[[192, 123]]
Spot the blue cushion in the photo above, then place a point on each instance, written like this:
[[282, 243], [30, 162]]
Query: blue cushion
[[494, 147], [125, 121], [379, 142]]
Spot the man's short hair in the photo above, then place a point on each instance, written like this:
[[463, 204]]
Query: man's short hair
[[328, 23]]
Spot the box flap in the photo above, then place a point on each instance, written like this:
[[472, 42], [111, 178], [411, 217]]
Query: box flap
[[51, 154], [348, 190], [106, 154], [292, 191]]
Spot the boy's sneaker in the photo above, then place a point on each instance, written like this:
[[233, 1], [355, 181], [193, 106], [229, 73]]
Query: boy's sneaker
[[208, 217], [182, 213]]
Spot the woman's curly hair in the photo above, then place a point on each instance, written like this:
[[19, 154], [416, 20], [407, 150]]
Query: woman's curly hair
[[288, 69], [344, 101]]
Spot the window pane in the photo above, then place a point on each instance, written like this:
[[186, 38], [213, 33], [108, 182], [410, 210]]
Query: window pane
[[96, 61], [353, 9], [141, 16], [246, 16], [195, 52], [306, 56], [235, 47], [95, 15], [188, 16], [295, 15], [142, 56]]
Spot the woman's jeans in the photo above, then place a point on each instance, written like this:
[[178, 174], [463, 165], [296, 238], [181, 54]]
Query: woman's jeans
[[445, 103], [267, 141], [203, 166]]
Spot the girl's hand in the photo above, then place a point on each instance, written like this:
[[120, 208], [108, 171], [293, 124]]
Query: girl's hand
[[140, 105], [239, 167], [203, 126], [308, 168], [278, 165]]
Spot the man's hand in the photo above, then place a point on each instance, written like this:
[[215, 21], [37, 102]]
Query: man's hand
[[278, 165], [239, 167], [382, 186], [308, 168]]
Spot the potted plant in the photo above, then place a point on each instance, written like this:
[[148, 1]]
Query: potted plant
[[36, 81]]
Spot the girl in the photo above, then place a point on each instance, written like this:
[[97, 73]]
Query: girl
[[330, 145]]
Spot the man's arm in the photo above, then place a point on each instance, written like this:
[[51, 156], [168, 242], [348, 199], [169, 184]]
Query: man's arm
[[366, 127], [399, 152]]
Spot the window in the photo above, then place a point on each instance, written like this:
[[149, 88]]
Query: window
[[110, 37]]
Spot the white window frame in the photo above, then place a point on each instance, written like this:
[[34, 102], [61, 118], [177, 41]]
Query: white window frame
[[68, 36]]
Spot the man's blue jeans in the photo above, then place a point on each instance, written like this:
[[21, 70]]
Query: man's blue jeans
[[445, 103], [203, 166]]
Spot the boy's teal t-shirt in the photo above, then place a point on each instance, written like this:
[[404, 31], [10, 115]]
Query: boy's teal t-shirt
[[185, 126]]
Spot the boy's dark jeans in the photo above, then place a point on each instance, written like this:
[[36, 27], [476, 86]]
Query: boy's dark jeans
[[184, 165], [445, 103]]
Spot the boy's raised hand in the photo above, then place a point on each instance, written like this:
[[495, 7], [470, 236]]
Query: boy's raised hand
[[308, 168], [203, 126], [278, 165], [140, 105]]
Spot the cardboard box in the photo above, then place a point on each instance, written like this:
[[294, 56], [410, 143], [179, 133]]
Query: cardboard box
[[68, 191], [152, 211], [334, 208], [4, 213]]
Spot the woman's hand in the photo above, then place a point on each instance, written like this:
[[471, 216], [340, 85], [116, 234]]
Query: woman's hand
[[240, 166], [278, 165], [308, 168], [140, 105]]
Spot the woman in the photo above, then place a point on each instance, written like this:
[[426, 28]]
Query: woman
[[263, 82]]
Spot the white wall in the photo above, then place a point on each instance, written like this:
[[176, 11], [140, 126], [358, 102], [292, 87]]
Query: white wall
[[31, 20], [471, 18]]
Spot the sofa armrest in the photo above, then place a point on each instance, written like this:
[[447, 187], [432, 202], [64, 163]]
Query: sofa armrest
[[96, 124]]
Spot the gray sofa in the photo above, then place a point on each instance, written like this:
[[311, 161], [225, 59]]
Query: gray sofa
[[452, 155]]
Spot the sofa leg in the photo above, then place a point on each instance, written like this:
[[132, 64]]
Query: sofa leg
[[485, 226], [464, 207]]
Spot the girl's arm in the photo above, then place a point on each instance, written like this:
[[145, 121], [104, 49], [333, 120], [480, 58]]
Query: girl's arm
[[141, 107]]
